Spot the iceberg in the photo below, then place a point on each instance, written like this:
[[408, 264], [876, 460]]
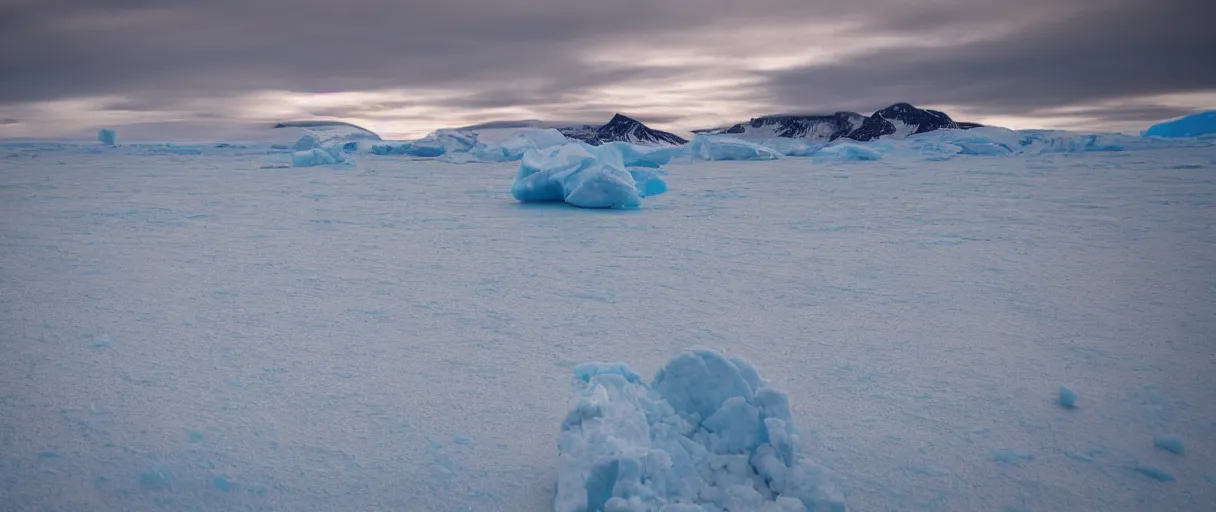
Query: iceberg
[[793, 147], [713, 147], [849, 152], [108, 137], [633, 155], [584, 176], [318, 156], [1194, 125], [708, 434]]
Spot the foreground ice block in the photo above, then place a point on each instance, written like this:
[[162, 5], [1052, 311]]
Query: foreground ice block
[[1195, 125], [580, 175], [706, 435], [714, 147], [107, 137]]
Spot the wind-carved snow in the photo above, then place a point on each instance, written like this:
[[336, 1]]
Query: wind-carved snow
[[707, 435]]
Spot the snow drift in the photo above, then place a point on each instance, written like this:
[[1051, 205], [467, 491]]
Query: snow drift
[[584, 176], [707, 435]]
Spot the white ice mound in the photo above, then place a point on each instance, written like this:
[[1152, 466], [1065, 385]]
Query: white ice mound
[[707, 435], [583, 176], [633, 155], [1190, 126], [439, 143], [849, 152], [107, 137], [715, 147], [513, 148]]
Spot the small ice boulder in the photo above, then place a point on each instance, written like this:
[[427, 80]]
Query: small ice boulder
[[1169, 443], [849, 152], [578, 175], [707, 434], [108, 137], [1068, 397], [714, 147], [1194, 125], [648, 181]]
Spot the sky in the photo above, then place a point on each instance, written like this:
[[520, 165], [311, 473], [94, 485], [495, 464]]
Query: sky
[[406, 67]]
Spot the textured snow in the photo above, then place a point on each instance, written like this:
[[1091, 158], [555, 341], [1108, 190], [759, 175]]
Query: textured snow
[[583, 176], [1194, 125], [708, 431], [107, 137], [401, 337], [717, 147]]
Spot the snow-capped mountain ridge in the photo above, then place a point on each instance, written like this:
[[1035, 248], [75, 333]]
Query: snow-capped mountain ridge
[[898, 120]]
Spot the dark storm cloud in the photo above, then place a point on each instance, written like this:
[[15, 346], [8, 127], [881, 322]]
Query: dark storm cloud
[[1112, 50], [1039, 54]]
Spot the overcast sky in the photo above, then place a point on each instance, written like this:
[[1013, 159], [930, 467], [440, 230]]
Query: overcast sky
[[405, 67]]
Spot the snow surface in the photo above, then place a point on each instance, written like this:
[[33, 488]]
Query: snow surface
[[183, 330], [1194, 125]]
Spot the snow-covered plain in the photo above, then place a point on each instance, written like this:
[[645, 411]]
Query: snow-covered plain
[[181, 329]]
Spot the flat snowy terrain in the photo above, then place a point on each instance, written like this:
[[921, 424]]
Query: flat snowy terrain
[[192, 332]]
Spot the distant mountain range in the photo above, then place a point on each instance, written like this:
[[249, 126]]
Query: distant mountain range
[[899, 120], [620, 128]]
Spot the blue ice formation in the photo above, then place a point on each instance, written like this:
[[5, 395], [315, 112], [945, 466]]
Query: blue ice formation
[[585, 176], [706, 435], [439, 143], [849, 152], [714, 147], [513, 148], [793, 147], [1169, 443], [108, 137], [1194, 125], [1068, 397], [318, 156], [633, 155]]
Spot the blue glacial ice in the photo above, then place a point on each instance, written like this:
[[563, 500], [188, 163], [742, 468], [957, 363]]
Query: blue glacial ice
[[1194, 125], [107, 137], [707, 435], [633, 155], [583, 176], [849, 152], [714, 147]]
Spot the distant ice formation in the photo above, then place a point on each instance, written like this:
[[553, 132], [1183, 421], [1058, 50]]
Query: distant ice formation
[[318, 156], [107, 137], [716, 147], [706, 435], [849, 152], [1194, 125]]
